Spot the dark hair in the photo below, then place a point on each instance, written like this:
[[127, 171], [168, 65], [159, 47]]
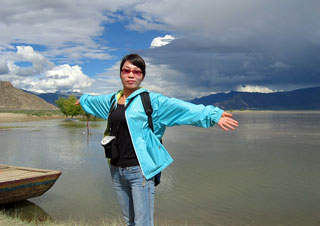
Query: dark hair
[[136, 60]]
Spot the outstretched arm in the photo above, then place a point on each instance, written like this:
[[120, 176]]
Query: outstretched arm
[[175, 112], [95, 105], [226, 122]]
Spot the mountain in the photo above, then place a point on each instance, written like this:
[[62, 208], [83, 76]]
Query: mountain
[[52, 97], [300, 99], [16, 99]]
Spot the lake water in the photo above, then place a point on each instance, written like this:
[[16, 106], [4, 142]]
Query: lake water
[[267, 172]]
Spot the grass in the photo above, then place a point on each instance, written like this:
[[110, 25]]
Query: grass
[[33, 112], [17, 220], [90, 118], [11, 127]]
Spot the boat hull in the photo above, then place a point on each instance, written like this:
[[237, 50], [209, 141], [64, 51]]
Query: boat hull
[[19, 183]]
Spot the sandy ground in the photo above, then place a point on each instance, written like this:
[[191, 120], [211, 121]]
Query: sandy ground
[[17, 117]]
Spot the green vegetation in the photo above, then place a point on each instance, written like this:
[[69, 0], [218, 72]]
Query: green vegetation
[[16, 220], [11, 127], [89, 117], [68, 107], [33, 112]]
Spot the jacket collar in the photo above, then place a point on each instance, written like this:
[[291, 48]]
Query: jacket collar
[[134, 94]]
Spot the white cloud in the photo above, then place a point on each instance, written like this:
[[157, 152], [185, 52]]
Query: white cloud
[[223, 43], [59, 26], [255, 89], [155, 81], [163, 79], [43, 76], [106, 82], [9, 62], [59, 78], [13, 69], [4, 68], [161, 41], [39, 62], [28, 54]]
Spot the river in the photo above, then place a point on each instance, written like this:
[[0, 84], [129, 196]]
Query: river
[[264, 173]]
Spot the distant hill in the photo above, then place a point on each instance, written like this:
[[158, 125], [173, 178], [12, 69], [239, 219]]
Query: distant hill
[[52, 97], [300, 99], [12, 98]]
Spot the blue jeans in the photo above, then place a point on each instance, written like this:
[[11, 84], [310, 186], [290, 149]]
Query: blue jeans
[[135, 195]]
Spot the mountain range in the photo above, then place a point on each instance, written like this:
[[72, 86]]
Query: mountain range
[[300, 99], [52, 97]]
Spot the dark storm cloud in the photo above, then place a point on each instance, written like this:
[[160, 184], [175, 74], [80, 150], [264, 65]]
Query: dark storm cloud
[[228, 44], [211, 66]]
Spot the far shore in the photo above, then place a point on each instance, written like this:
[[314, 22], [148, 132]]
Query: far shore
[[21, 117], [275, 111]]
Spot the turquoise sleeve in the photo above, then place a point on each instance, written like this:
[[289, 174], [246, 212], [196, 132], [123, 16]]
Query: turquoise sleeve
[[172, 111], [98, 106]]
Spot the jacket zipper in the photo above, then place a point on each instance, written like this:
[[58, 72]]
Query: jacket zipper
[[134, 148]]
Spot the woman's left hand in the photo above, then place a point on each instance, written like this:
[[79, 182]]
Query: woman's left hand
[[226, 122]]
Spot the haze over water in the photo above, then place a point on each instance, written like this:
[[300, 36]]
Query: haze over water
[[264, 173]]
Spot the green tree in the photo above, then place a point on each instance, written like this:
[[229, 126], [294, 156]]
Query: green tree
[[60, 104], [68, 107]]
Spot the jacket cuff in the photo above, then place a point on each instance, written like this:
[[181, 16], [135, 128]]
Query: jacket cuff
[[217, 115]]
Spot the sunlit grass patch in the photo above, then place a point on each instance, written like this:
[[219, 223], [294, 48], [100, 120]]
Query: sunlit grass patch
[[12, 127], [16, 220]]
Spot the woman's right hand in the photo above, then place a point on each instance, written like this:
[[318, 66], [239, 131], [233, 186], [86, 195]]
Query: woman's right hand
[[226, 122], [77, 102]]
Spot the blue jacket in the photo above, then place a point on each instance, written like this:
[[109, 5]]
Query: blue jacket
[[151, 154]]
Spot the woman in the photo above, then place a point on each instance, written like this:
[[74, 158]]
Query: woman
[[141, 154]]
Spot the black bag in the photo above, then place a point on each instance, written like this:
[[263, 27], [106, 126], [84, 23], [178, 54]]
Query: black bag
[[110, 145], [110, 148]]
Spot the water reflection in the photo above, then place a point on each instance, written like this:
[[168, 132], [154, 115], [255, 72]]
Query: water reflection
[[26, 210], [266, 173]]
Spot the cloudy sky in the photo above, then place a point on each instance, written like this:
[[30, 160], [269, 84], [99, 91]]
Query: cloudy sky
[[192, 48]]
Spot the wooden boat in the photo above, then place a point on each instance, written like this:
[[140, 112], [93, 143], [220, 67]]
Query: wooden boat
[[19, 183]]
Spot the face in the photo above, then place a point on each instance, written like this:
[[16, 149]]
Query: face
[[131, 76]]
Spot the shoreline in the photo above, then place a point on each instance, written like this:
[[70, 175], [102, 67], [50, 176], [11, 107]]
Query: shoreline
[[10, 117], [22, 117]]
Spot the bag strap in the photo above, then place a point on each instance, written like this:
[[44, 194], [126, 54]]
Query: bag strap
[[112, 100], [129, 103], [145, 98], [113, 103]]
